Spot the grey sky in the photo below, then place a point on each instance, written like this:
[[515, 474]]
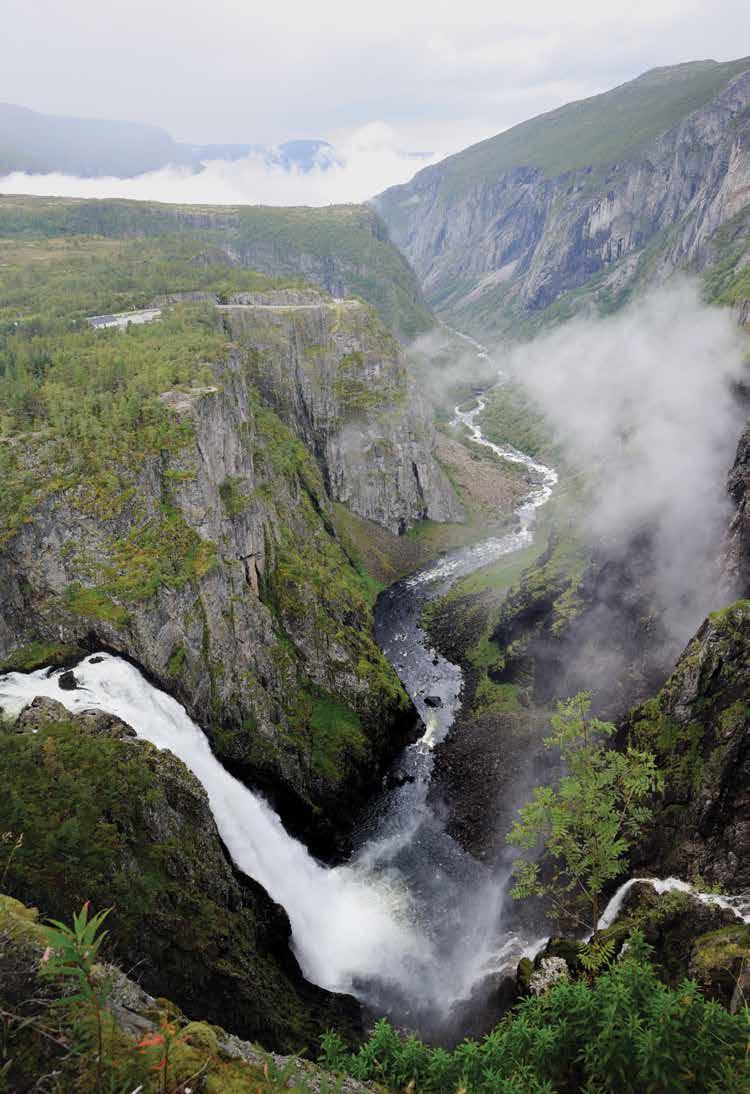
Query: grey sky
[[440, 75]]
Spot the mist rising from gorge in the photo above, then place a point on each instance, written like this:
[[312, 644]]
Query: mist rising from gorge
[[643, 403]]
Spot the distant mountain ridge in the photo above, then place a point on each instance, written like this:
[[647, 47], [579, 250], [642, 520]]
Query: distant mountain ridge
[[584, 202], [37, 143]]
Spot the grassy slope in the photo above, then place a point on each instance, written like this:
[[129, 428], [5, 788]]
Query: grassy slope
[[346, 244]]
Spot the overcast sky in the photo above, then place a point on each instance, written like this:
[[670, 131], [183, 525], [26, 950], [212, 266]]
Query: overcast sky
[[430, 77]]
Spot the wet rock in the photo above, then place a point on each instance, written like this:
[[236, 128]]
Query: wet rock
[[398, 777], [40, 712], [551, 971], [68, 681], [524, 973], [433, 701]]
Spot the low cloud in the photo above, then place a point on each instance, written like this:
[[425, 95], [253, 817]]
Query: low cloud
[[359, 166]]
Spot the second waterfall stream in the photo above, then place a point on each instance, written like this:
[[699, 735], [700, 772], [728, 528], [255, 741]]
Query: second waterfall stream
[[412, 923]]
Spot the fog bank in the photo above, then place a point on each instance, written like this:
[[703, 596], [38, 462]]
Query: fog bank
[[363, 164]]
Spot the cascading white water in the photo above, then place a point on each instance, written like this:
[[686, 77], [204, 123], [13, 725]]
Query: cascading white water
[[739, 905], [346, 923]]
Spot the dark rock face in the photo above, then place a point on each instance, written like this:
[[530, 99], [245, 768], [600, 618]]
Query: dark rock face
[[699, 727], [736, 553], [590, 625], [67, 681], [144, 842]]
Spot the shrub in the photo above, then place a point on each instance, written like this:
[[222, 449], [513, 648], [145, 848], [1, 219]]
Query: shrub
[[625, 1032]]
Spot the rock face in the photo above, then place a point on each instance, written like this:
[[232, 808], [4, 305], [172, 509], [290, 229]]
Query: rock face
[[736, 553], [42, 713], [578, 619], [114, 820], [699, 727], [509, 227], [336, 376], [219, 571]]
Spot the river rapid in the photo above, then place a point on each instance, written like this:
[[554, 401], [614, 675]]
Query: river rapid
[[411, 924]]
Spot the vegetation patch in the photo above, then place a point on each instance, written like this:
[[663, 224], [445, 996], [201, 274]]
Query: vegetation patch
[[511, 418], [234, 496], [94, 604], [622, 1030], [38, 654]]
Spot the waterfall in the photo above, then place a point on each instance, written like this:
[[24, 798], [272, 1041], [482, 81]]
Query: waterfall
[[739, 905], [346, 923]]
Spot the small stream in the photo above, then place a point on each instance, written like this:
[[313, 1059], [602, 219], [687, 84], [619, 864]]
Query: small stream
[[412, 924]]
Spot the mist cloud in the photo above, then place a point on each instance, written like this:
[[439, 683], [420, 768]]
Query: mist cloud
[[366, 162], [643, 401]]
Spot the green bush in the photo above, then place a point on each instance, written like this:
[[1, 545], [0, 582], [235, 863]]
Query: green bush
[[626, 1032]]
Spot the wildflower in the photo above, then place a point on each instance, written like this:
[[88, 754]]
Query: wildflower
[[150, 1039], [46, 955]]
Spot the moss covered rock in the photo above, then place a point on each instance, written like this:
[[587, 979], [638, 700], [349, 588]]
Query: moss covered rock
[[699, 728], [720, 963], [45, 1043], [112, 820], [675, 925]]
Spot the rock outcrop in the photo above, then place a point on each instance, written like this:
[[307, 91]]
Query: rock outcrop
[[699, 728], [337, 377], [579, 204], [112, 819], [689, 937]]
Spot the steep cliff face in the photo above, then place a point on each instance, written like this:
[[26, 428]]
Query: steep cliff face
[[338, 379], [736, 552], [582, 202], [214, 565], [699, 727], [113, 820]]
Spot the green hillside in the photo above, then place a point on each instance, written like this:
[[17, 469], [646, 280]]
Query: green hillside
[[343, 248]]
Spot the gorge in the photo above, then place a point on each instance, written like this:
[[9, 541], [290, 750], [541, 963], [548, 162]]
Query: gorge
[[412, 925], [298, 582]]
